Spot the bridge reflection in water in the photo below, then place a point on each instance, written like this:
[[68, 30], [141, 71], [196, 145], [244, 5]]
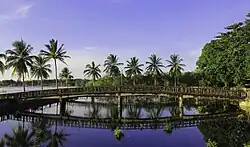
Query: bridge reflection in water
[[104, 114]]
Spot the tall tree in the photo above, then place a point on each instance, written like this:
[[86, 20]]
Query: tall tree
[[66, 75], [111, 65], [57, 138], [55, 52], [41, 69], [133, 68], [20, 138], [19, 59], [225, 61], [93, 70], [176, 67], [154, 67], [2, 65]]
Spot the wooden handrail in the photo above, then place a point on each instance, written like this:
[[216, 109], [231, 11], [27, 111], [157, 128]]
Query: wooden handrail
[[199, 91]]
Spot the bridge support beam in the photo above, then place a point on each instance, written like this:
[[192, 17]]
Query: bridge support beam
[[92, 99], [62, 107], [119, 105], [196, 101], [181, 109]]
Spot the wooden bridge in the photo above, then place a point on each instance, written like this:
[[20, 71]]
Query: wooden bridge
[[124, 123], [114, 90]]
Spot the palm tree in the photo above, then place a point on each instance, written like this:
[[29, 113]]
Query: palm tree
[[133, 111], [154, 67], [40, 68], [41, 131], [111, 65], [21, 138], [57, 138], [55, 53], [2, 142], [93, 70], [2, 66], [133, 68], [19, 59], [66, 74], [176, 67]]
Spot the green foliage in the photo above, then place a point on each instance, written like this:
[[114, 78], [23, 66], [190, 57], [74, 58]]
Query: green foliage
[[104, 81], [168, 128], [55, 52], [93, 70], [226, 133], [118, 134], [154, 67], [21, 138], [133, 68], [19, 59], [2, 142], [225, 61], [176, 67], [247, 144], [111, 65], [2, 66], [211, 143], [190, 78], [66, 75]]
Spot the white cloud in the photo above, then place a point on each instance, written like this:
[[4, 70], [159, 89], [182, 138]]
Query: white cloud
[[14, 11], [23, 10], [195, 53]]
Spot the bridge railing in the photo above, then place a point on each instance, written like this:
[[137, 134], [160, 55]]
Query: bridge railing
[[195, 91]]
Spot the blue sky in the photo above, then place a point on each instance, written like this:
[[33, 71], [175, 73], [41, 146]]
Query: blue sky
[[92, 29]]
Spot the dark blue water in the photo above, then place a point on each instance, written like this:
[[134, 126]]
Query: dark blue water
[[180, 137]]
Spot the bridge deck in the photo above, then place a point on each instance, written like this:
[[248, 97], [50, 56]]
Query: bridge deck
[[113, 90], [124, 123]]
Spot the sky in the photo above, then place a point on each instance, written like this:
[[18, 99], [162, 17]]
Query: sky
[[92, 29]]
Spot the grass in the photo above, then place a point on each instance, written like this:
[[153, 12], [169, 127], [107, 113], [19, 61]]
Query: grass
[[118, 134], [168, 128], [211, 143]]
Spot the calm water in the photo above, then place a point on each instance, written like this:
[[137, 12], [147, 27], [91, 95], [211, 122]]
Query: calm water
[[92, 124]]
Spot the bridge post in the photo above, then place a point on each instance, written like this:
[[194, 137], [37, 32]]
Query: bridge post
[[196, 100], [119, 105], [92, 99], [62, 107], [181, 110]]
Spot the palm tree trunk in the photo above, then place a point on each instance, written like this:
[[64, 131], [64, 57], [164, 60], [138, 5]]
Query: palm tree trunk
[[42, 84], [23, 83], [67, 82], [175, 80], [155, 82], [41, 91], [56, 74], [134, 80]]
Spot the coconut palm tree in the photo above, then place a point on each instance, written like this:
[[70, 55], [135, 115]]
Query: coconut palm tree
[[57, 138], [111, 65], [93, 70], [19, 59], [66, 74], [154, 67], [55, 52], [20, 138], [2, 142], [2, 66], [41, 131], [133, 68], [133, 111], [176, 67], [41, 68]]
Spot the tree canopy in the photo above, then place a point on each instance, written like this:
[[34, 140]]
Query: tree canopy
[[225, 60]]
